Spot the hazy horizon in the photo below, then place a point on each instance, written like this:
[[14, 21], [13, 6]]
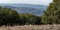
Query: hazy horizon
[[36, 2]]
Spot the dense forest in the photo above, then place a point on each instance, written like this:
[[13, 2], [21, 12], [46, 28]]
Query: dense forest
[[9, 16]]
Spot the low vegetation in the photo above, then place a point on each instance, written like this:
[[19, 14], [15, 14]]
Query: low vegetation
[[32, 27]]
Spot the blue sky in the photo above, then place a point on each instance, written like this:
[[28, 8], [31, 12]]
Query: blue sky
[[42, 2]]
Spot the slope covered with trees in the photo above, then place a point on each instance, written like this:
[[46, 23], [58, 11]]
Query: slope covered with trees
[[9, 16]]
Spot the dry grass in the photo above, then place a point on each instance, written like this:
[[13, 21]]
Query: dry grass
[[31, 27]]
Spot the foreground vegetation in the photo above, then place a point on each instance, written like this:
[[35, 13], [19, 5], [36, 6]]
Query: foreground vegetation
[[32, 27]]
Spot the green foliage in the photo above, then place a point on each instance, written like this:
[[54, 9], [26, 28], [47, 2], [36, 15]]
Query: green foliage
[[30, 19], [52, 15], [9, 16]]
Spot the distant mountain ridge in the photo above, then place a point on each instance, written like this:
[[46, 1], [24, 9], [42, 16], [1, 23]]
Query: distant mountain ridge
[[27, 8]]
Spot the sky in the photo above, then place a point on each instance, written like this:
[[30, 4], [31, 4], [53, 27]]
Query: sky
[[39, 2]]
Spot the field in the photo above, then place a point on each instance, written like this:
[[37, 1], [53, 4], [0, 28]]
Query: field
[[31, 27]]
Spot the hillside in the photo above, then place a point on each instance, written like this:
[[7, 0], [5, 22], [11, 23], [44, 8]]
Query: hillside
[[27, 8]]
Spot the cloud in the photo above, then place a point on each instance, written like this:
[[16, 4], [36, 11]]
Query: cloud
[[43, 2]]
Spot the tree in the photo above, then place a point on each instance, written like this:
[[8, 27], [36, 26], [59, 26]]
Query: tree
[[52, 14], [28, 19], [9, 16]]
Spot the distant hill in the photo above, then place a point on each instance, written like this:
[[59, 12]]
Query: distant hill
[[27, 8]]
